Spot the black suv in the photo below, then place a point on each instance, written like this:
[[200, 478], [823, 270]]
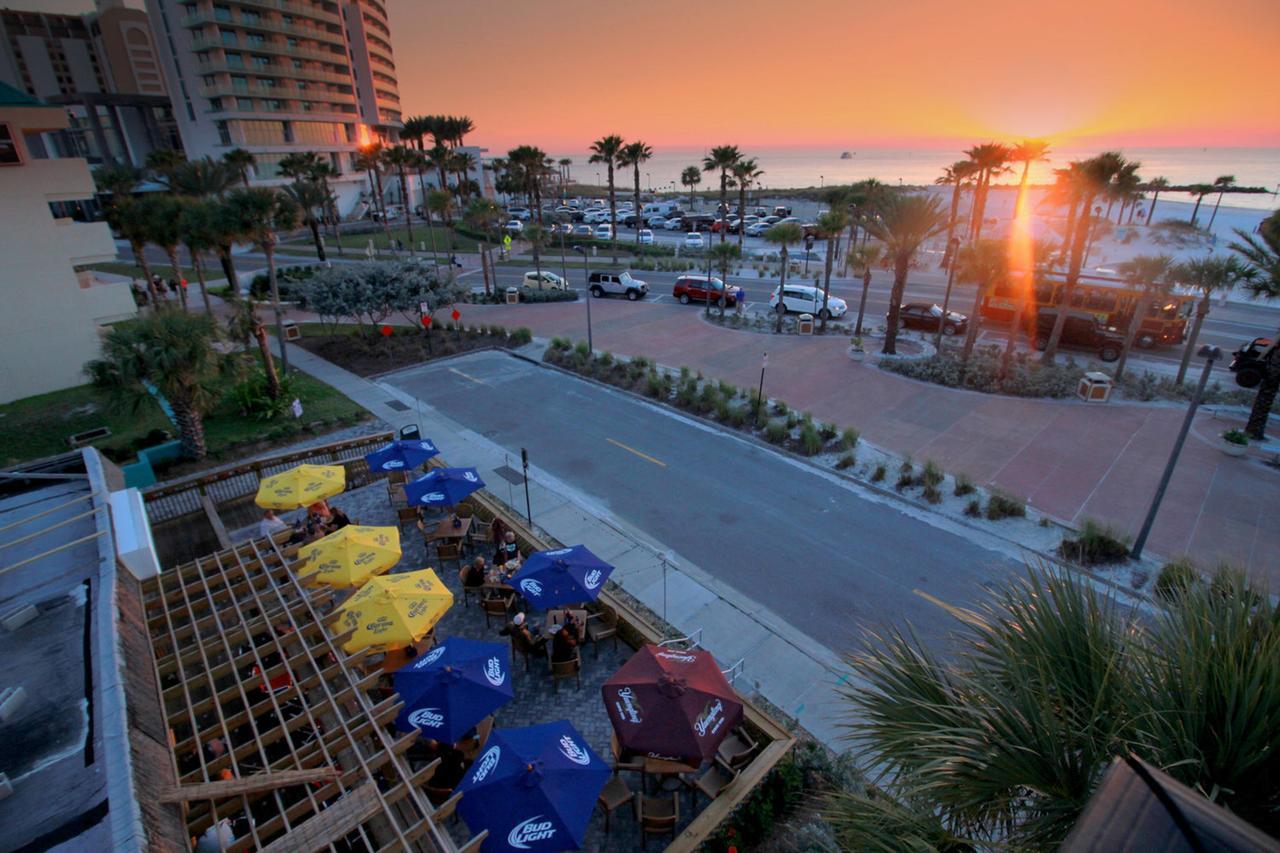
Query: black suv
[[1249, 363], [1082, 330]]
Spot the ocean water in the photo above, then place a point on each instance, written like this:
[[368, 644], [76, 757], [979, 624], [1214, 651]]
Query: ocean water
[[812, 167]]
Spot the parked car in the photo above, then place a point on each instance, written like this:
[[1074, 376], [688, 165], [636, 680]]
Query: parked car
[[604, 232], [803, 299], [694, 288], [595, 216], [582, 231], [676, 223], [1249, 363], [693, 240], [547, 281], [521, 213], [925, 315], [719, 225], [1081, 330], [394, 212], [757, 229], [658, 220], [603, 283], [646, 237], [515, 226], [781, 211], [631, 220]]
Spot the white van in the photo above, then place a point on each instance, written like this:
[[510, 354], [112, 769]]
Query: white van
[[655, 208]]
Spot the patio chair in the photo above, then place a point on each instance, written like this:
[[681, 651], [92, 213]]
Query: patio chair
[[494, 607], [520, 646], [396, 478], [472, 748], [602, 626], [714, 780], [657, 816], [406, 515], [736, 750], [615, 794], [395, 494], [560, 670], [449, 551], [437, 796]]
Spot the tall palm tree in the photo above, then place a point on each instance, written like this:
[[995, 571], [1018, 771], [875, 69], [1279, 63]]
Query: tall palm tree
[[242, 161], [440, 157], [722, 255], [527, 165], [991, 159], [1262, 253], [246, 325], [415, 129], [198, 225], [956, 174], [982, 263], [904, 224], [400, 159], [634, 154], [565, 163], [722, 159], [440, 202], [1027, 152], [369, 160], [1199, 191], [117, 181], [691, 177], [461, 163], [1208, 275], [861, 259], [202, 178], [1043, 254], [606, 150], [261, 213], [784, 234], [173, 353], [1150, 275], [1124, 187], [1155, 185], [132, 219], [310, 198], [484, 216], [830, 226], [745, 173], [537, 236], [1223, 182], [458, 127], [166, 232]]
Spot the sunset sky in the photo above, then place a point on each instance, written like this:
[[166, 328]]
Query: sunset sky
[[763, 73]]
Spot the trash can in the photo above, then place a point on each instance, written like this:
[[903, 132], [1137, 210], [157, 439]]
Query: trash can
[[291, 331], [1095, 387], [805, 325], [410, 432], [513, 296]]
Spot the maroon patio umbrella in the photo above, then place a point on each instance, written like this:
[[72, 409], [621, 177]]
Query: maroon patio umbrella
[[672, 704]]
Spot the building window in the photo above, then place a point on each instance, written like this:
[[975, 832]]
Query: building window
[[255, 39], [224, 134], [9, 155], [222, 13], [215, 105], [287, 127], [274, 104], [235, 60], [228, 38], [261, 62], [245, 104]]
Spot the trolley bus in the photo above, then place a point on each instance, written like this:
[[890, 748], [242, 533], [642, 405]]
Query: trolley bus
[[1111, 299]]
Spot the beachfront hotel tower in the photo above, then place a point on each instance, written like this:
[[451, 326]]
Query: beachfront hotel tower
[[276, 77]]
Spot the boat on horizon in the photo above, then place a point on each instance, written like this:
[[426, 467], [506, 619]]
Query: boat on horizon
[[845, 155]]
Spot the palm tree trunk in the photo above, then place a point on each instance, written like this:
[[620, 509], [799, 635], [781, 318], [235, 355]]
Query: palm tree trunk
[[901, 264], [315, 238], [177, 274], [484, 267], [782, 285], [1139, 313], [1214, 215], [1068, 230], [1196, 210], [724, 200], [190, 429], [1151, 211], [862, 303], [1080, 238], [431, 229], [140, 258], [228, 265], [951, 223], [1265, 399], [1014, 329], [1202, 310], [971, 333], [269, 249], [198, 265], [637, 208], [742, 211], [613, 213], [408, 209], [268, 360], [826, 282]]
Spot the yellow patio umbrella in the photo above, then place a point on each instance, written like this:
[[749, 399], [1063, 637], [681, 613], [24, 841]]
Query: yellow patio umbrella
[[301, 486], [350, 556], [393, 611]]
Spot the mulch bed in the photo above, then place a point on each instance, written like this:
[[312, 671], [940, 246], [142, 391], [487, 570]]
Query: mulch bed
[[372, 355]]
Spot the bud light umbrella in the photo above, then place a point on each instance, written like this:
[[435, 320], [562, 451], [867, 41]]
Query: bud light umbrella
[[401, 455], [443, 487], [671, 703], [565, 576], [533, 788], [452, 687]]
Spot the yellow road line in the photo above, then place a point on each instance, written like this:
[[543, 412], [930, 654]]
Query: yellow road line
[[465, 376], [645, 456]]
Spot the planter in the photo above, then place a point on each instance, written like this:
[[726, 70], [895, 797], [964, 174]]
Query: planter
[[1232, 449], [856, 353]]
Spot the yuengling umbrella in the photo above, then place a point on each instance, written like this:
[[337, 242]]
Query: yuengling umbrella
[[533, 788], [564, 576], [394, 611], [443, 487], [401, 455], [671, 703], [452, 687], [350, 556]]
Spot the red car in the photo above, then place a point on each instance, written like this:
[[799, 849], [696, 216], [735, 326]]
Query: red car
[[693, 289]]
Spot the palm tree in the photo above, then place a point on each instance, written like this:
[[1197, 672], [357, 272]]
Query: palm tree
[[1150, 274], [956, 174], [1155, 185], [261, 213], [722, 159], [565, 163], [691, 177], [484, 216], [990, 159], [440, 202], [369, 160], [526, 165], [241, 161], [440, 157], [132, 219], [245, 325], [198, 226], [784, 234], [606, 150], [309, 196], [1124, 187], [998, 741], [1043, 253], [1262, 252], [745, 173], [1208, 275], [166, 232], [163, 162], [904, 224], [1199, 191], [633, 154], [458, 127], [983, 263], [1027, 152], [172, 353], [225, 230], [722, 255], [401, 159], [1222, 183], [462, 164], [116, 180], [537, 237], [861, 259], [414, 129], [202, 178], [830, 226]]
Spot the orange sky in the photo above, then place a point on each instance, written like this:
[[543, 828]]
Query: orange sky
[[559, 73]]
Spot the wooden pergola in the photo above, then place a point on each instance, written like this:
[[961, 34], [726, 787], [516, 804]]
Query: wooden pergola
[[271, 725]]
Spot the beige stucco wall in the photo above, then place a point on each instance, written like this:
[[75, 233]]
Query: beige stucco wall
[[49, 321]]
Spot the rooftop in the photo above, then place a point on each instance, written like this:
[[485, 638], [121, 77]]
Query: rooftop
[[11, 97]]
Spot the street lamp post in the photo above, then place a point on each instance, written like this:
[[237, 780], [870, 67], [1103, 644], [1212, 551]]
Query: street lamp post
[[1210, 354], [586, 267], [764, 362]]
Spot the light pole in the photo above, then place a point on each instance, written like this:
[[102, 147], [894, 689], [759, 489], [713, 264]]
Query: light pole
[[764, 362], [1210, 354], [586, 269]]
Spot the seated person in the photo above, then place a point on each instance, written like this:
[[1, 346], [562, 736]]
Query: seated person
[[337, 520], [537, 645], [564, 645], [497, 530], [508, 550], [270, 525], [449, 771], [473, 576]]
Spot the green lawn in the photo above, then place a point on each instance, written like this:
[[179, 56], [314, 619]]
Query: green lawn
[[358, 242], [39, 426], [161, 269]]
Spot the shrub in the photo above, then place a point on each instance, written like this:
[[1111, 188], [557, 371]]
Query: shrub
[[906, 467], [1231, 583], [1001, 505], [1096, 544], [905, 481], [828, 431], [878, 474], [521, 336], [685, 374], [849, 439], [727, 390], [931, 494], [973, 508], [1176, 578], [641, 362], [1235, 436], [563, 344], [738, 417], [1026, 377], [775, 432], [810, 440], [964, 485], [605, 359], [655, 386], [686, 393], [253, 400], [792, 421], [780, 408], [582, 352], [846, 461], [932, 475]]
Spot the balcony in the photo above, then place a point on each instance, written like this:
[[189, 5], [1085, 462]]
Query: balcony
[[201, 19], [282, 93], [280, 48], [219, 66], [293, 8]]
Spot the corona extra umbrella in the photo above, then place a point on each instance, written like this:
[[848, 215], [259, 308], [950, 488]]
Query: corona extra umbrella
[[301, 486], [350, 556], [453, 687], [533, 788], [671, 703], [443, 487], [564, 576], [401, 455], [393, 611]]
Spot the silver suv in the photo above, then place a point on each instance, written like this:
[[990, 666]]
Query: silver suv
[[617, 284]]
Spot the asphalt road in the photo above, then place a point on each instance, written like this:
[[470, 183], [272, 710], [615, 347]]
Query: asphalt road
[[826, 557]]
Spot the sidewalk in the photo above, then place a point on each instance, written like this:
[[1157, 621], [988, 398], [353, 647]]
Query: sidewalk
[[793, 671]]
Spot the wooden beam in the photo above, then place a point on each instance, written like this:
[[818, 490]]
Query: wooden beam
[[331, 824], [248, 784]]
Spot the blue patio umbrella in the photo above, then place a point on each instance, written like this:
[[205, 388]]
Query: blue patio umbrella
[[443, 487], [401, 455], [533, 788], [452, 687], [564, 576]]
